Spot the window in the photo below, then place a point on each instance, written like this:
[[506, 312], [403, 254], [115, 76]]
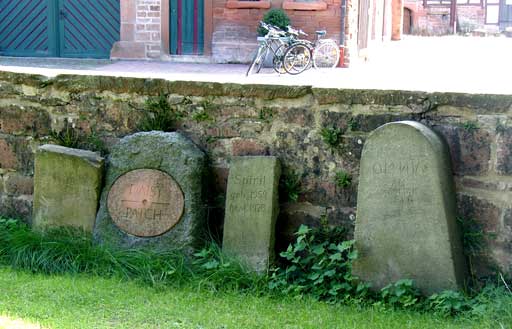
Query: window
[[248, 4], [447, 3], [304, 5]]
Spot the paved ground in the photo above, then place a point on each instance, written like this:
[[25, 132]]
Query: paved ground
[[460, 64]]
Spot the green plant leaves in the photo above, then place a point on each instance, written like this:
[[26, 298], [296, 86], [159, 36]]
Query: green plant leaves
[[448, 303], [332, 136], [276, 17], [319, 265], [159, 115], [401, 294]]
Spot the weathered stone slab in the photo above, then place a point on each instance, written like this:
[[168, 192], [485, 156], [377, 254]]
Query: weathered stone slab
[[153, 195], [251, 210], [67, 185], [406, 225]]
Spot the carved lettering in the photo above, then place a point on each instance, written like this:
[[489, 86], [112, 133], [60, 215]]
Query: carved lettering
[[400, 167], [250, 180], [247, 208], [145, 202]]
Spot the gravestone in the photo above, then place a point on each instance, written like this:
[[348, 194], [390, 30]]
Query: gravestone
[[153, 195], [251, 210], [406, 226], [67, 186]]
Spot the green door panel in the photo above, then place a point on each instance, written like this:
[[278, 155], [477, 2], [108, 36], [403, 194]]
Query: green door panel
[[27, 28]]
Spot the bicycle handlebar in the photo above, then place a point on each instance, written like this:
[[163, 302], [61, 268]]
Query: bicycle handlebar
[[276, 31], [273, 31], [295, 32]]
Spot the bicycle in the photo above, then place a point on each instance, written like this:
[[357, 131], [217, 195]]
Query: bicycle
[[323, 53], [276, 42]]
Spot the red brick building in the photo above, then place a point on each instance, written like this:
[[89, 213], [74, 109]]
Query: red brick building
[[433, 17], [224, 31]]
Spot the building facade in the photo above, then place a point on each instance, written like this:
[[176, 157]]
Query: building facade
[[434, 17], [224, 31], [220, 31]]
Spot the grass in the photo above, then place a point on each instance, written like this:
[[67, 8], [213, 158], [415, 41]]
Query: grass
[[72, 251], [84, 301], [62, 280]]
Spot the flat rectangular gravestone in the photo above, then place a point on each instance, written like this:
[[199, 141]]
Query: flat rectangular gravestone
[[251, 210], [67, 186], [406, 226]]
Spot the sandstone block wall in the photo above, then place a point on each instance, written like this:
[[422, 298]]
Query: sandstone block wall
[[229, 120]]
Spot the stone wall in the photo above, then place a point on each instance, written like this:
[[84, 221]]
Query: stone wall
[[229, 119]]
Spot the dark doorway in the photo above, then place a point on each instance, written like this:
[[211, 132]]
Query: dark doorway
[[407, 29]]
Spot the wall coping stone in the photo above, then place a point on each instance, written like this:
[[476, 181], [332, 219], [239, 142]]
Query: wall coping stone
[[418, 101]]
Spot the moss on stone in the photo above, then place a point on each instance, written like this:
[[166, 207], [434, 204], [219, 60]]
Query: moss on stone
[[33, 80]]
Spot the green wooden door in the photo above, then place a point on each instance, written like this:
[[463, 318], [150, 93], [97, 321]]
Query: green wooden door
[[27, 28], [53, 28], [186, 27], [88, 28]]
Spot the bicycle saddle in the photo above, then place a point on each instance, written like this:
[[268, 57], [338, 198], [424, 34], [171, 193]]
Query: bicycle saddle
[[322, 32]]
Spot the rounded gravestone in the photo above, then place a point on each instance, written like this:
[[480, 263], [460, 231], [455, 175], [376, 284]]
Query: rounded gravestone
[[406, 226], [153, 195], [145, 202]]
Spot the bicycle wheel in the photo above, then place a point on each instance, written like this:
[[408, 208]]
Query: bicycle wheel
[[261, 62], [278, 60], [297, 58], [257, 61], [326, 55]]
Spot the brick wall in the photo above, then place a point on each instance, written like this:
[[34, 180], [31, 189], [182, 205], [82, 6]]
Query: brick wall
[[140, 30], [148, 26], [234, 30], [227, 120], [435, 20]]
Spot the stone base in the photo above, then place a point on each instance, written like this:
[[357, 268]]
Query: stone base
[[233, 52], [128, 50], [233, 44]]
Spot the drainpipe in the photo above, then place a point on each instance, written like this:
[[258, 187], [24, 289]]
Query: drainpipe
[[342, 33], [453, 14]]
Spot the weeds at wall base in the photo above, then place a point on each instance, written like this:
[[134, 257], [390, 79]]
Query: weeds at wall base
[[318, 264]]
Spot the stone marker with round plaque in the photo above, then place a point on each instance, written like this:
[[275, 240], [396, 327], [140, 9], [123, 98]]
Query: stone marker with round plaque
[[153, 193]]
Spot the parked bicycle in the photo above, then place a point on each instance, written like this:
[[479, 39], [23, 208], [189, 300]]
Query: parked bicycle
[[322, 54], [291, 54], [274, 42]]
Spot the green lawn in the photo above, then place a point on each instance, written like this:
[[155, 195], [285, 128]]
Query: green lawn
[[33, 301]]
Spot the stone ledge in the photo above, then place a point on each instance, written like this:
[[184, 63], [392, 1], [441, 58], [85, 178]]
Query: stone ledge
[[293, 5], [128, 50], [236, 4]]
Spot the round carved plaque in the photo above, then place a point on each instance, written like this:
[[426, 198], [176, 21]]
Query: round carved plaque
[[145, 202]]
